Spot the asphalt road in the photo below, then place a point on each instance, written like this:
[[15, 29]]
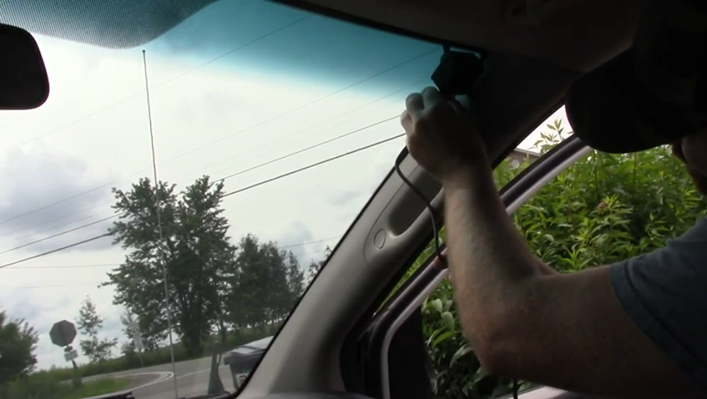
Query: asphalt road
[[157, 382]]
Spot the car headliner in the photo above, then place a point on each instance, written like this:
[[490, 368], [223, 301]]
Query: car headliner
[[531, 57]]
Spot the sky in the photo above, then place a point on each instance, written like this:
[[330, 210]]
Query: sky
[[236, 85]]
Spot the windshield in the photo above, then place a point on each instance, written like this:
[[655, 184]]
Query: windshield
[[271, 129]]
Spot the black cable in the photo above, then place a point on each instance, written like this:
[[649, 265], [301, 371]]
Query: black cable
[[424, 199]]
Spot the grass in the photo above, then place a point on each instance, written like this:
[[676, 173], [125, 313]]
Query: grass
[[55, 383], [160, 355], [44, 385], [97, 387]]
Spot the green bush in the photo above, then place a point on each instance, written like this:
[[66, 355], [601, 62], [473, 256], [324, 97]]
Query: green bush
[[603, 209], [39, 385]]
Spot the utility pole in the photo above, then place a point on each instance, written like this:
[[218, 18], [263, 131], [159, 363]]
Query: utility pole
[[159, 228]]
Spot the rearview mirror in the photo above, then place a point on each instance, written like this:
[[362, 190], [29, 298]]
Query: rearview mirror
[[23, 78]]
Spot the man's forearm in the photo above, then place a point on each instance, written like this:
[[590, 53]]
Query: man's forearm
[[489, 261]]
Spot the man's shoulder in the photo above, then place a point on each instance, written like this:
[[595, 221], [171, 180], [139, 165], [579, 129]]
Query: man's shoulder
[[690, 247], [677, 256], [698, 233], [663, 293]]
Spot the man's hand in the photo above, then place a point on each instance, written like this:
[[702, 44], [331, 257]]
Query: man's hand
[[442, 137]]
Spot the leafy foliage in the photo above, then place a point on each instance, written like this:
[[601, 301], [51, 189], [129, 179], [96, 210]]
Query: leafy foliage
[[195, 251], [89, 323], [603, 209], [18, 340], [315, 267], [268, 283], [212, 283]]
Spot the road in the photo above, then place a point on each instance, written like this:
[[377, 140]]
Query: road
[[157, 382]]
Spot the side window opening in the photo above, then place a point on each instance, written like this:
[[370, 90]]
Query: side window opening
[[602, 209]]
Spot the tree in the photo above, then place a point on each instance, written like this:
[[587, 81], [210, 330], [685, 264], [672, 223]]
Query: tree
[[90, 323], [127, 319], [18, 341], [267, 283], [195, 252], [246, 296], [315, 267], [295, 278]]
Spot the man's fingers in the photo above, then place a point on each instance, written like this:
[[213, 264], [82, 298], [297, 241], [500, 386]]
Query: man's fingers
[[406, 121], [414, 105], [431, 97]]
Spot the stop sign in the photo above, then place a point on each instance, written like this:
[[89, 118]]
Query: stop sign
[[62, 333]]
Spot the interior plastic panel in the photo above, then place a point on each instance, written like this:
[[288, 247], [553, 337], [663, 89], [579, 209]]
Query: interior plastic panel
[[304, 356], [405, 212], [401, 218]]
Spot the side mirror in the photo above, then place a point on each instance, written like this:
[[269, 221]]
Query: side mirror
[[23, 78]]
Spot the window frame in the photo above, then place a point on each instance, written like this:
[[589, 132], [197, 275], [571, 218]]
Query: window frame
[[382, 327]]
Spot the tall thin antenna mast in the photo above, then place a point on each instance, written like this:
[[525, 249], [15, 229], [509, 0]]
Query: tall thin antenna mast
[[159, 227]]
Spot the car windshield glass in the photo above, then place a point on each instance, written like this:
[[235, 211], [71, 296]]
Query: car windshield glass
[[271, 126]]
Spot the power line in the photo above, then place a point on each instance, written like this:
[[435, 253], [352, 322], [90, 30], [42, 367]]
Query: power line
[[308, 148], [65, 247], [229, 176], [263, 182], [302, 244], [3, 221], [76, 121], [310, 166], [222, 179], [68, 266], [50, 286], [228, 136], [95, 265], [319, 122], [232, 175], [49, 221], [283, 27], [261, 123], [128, 99], [59, 234]]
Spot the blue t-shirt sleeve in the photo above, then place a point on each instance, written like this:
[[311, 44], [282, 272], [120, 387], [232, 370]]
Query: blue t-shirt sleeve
[[665, 294]]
